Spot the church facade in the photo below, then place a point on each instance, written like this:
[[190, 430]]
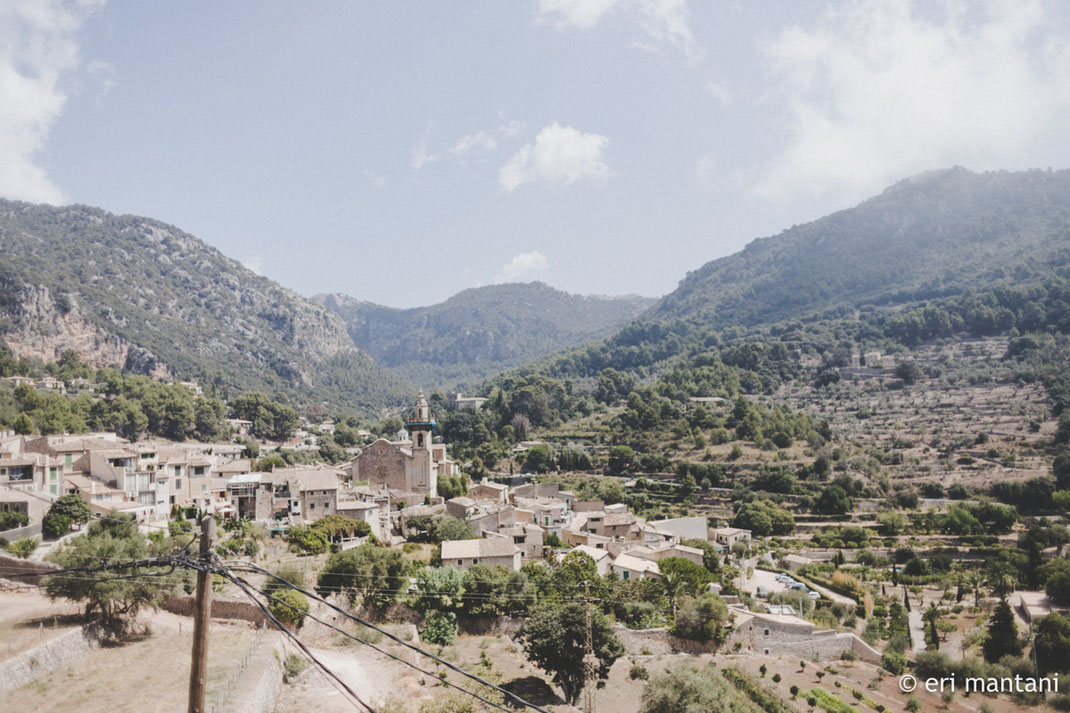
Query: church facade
[[411, 464]]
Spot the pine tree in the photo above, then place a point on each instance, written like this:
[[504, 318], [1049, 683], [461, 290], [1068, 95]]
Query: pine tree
[[1002, 637]]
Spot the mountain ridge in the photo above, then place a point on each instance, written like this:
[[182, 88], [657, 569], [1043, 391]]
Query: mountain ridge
[[482, 330]]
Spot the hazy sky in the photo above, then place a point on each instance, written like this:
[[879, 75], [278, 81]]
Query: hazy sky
[[402, 151]]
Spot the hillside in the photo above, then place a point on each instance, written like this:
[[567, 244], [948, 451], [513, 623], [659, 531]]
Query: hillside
[[480, 331], [928, 236], [143, 295]]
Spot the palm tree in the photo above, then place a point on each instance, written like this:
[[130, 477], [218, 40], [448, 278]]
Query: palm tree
[[931, 616], [974, 580]]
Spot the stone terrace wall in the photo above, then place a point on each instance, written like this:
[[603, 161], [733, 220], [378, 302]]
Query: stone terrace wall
[[221, 609], [50, 656], [12, 565], [642, 642]]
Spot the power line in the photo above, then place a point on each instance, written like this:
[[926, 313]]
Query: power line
[[377, 648], [225, 573], [397, 639]]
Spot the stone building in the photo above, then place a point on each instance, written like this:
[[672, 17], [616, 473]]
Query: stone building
[[412, 465]]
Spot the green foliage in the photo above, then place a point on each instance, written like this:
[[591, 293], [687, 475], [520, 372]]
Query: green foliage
[[23, 547], [685, 689], [11, 519], [757, 693], [290, 607], [372, 574], [438, 589], [763, 518], [116, 601], [554, 638], [1002, 639], [440, 627], [292, 667], [1052, 643], [703, 619], [307, 540]]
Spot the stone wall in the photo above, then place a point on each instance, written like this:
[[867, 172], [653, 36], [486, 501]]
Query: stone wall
[[221, 609], [654, 642], [11, 565], [50, 656], [259, 687]]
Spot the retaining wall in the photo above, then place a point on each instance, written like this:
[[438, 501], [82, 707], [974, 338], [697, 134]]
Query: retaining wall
[[221, 609], [61, 651], [643, 642], [261, 684]]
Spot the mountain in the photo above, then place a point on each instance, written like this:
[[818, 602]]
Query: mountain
[[134, 292], [480, 331], [935, 234]]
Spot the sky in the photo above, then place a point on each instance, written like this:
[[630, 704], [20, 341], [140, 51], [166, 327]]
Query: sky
[[400, 152]]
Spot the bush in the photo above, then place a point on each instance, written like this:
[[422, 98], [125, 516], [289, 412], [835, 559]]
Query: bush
[[290, 607], [10, 520], [894, 663], [292, 667], [23, 547], [639, 672], [440, 628], [55, 526]]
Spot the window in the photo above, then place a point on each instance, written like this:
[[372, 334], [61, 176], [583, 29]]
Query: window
[[68, 460], [178, 470], [625, 573], [52, 489], [198, 470], [178, 483], [312, 506], [52, 473], [767, 632]]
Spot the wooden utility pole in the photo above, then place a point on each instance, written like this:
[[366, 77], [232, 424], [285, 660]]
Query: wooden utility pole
[[202, 617], [590, 662]]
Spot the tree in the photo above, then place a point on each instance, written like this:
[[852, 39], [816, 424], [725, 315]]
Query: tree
[[307, 540], [290, 607], [374, 575], [64, 512], [23, 425], [1002, 637], [711, 558], [554, 639], [1052, 643], [539, 459], [685, 689], [764, 518], [621, 459], [932, 618], [704, 618], [116, 601], [680, 576], [833, 501], [908, 371]]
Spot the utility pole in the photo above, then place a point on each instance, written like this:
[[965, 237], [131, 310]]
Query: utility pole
[[589, 660], [202, 617]]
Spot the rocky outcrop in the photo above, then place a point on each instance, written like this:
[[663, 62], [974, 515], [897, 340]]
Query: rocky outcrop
[[142, 295]]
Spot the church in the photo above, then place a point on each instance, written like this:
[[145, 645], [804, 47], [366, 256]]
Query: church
[[413, 463]]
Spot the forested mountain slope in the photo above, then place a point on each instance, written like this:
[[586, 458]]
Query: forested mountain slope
[[480, 331], [927, 236], [143, 295]]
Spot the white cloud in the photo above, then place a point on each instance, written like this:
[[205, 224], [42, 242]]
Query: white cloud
[[717, 91], [480, 139], [560, 155], [666, 22], [882, 89], [576, 13], [420, 155], [38, 49], [521, 266], [254, 264], [104, 73]]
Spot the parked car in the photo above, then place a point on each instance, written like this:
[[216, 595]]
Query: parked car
[[762, 592]]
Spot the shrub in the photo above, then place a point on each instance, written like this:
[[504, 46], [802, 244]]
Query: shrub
[[893, 662], [23, 547], [639, 672], [292, 667]]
